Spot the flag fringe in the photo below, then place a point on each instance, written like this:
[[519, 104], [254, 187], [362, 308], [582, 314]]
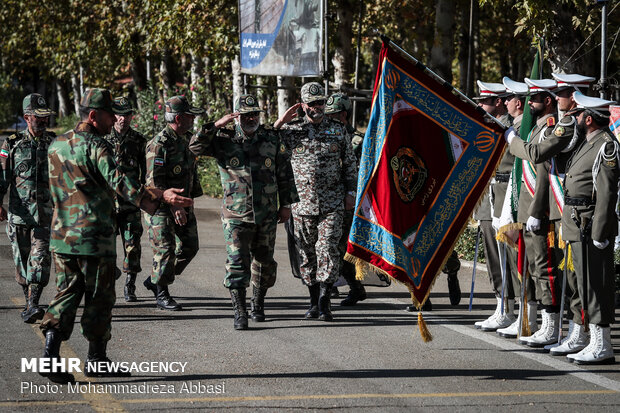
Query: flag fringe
[[502, 237]]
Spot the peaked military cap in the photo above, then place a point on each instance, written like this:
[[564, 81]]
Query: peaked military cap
[[490, 90], [598, 106], [541, 85], [122, 106], [247, 104], [34, 104], [574, 80], [97, 98], [180, 104], [338, 102], [515, 88], [311, 92]]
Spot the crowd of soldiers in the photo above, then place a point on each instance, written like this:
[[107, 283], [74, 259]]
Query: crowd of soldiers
[[70, 195]]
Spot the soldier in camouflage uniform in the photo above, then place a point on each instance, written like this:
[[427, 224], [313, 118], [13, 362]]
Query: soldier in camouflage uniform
[[339, 108], [258, 186], [129, 152], [23, 174], [325, 176], [172, 231], [83, 180]]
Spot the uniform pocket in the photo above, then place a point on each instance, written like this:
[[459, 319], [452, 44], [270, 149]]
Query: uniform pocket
[[235, 197]]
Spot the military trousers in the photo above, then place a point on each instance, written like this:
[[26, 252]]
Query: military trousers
[[293, 248], [174, 246], [130, 229], [542, 265], [600, 273], [494, 261], [31, 253], [347, 268], [318, 237], [91, 277], [512, 256], [250, 247]]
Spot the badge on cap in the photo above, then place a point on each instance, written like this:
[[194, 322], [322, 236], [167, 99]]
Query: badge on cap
[[177, 169], [234, 162], [249, 101], [330, 100], [41, 101], [559, 131], [123, 101], [314, 89]]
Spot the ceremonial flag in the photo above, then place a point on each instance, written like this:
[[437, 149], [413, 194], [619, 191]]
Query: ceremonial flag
[[614, 121], [426, 161]]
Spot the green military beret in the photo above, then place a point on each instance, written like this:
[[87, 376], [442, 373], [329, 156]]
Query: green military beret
[[98, 98], [122, 106], [34, 104], [338, 102], [246, 104], [180, 104], [311, 92]]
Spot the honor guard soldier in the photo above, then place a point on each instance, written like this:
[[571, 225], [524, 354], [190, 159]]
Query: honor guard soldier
[[128, 145], [589, 224], [23, 175], [259, 189], [84, 180], [325, 176], [491, 99], [173, 232]]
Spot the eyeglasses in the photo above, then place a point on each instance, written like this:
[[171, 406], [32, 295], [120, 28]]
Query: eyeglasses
[[316, 103]]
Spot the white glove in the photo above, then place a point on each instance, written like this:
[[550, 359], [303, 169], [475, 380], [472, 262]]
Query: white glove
[[600, 245], [509, 134], [495, 223], [533, 224]]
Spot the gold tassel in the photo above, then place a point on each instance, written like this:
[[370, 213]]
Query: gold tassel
[[525, 325], [571, 266], [426, 335], [551, 236], [360, 270]]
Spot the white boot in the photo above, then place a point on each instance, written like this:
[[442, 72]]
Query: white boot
[[512, 331], [498, 310], [571, 324], [532, 308], [547, 335], [599, 351], [502, 320], [576, 340]]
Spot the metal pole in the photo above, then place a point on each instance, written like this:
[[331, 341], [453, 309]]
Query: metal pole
[[470, 47], [473, 273], [603, 80], [325, 42], [357, 60], [437, 77], [502, 256], [563, 299]]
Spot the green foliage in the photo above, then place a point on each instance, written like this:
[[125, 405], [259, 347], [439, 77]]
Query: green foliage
[[209, 177], [149, 116], [66, 123], [10, 100], [466, 245]]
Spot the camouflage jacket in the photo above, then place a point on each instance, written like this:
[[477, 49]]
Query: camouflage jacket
[[83, 180], [23, 163], [255, 172], [129, 152], [323, 165], [357, 140], [170, 164]]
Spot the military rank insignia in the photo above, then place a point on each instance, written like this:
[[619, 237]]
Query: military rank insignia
[[559, 131], [268, 162], [550, 121], [234, 162], [177, 169], [4, 153], [159, 162]]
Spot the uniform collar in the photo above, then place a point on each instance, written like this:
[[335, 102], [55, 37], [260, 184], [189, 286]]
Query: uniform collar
[[591, 137], [86, 127], [542, 121]]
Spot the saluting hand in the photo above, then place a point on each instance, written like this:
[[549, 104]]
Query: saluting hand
[[289, 115], [226, 119]]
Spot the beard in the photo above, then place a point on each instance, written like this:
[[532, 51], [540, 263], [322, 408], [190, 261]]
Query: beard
[[581, 128], [315, 113], [249, 126]]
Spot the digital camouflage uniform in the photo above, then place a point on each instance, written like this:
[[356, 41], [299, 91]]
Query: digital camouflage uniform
[[129, 152], [84, 181], [256, 179], [170, 164]]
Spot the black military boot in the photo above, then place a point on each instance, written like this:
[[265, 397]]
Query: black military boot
[[258, 304], [148, 284], [356, 293], [164, 301], [335, 293], [98, 364], [313, 312], [428, 306], [325, 306], [52, 351], [130, 287], [454, 288], [25, 290], [237, 295], [33, 311]]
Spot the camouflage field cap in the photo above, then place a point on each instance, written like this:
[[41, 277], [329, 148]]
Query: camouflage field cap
[[122, 106], [311, 92], [98, 98], [180, 104], [338, 102], [247, 104], [34, 104]]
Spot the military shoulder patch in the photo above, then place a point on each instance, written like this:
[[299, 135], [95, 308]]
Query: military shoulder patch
[[13, 137], [550, 121], [4, 153], [177, 169], [612, 163], [159, 162], [234, 162], [559, 131], [268, 162]]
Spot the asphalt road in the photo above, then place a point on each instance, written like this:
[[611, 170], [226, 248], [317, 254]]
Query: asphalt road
[[370, 359]]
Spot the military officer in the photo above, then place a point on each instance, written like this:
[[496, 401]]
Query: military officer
[[589, 223], [259, 189], [172, 230], [325, 176], [83, 179], [128, 145], [23, 175], [339, 107]]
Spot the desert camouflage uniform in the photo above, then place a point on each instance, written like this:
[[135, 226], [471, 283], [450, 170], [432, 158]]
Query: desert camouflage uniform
[[24, 176], [324, 169], [83, 180], [256, 179], [129, 152], [170, 164]]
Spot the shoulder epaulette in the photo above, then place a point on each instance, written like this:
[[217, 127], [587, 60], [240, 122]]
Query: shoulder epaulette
[[550, 121], [567, 121], [13, 136]]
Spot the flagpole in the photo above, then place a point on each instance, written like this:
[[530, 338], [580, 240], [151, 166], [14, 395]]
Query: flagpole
[[435, 76]]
